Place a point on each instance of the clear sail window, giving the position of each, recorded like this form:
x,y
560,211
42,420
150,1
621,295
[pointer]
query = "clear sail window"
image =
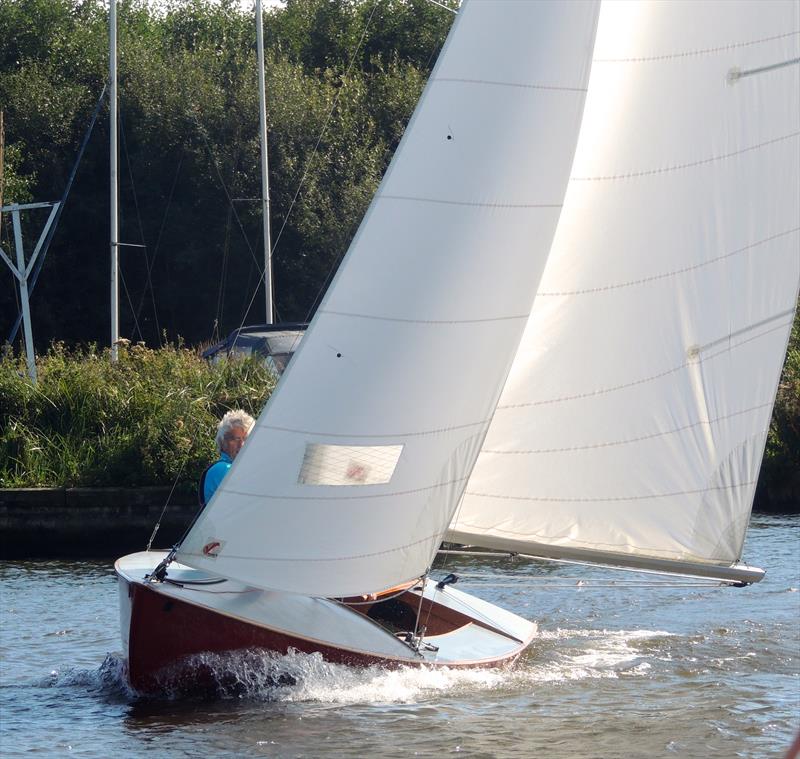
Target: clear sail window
x,y
348,464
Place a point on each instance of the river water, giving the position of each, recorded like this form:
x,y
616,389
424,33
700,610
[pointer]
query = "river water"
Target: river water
x,y
617,670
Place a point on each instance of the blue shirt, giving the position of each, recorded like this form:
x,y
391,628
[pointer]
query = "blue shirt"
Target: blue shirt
x,y
215,475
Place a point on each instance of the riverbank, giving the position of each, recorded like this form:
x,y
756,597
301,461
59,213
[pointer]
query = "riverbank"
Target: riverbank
x,y
80,522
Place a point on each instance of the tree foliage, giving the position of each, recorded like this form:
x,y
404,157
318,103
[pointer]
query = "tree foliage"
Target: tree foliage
x,y
147,419
342,79
779,483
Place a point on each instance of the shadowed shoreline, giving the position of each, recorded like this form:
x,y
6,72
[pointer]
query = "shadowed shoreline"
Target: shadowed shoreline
x,y
84,522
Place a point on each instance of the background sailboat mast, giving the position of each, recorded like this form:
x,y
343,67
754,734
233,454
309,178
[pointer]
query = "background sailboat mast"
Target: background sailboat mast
x,y
262,100
114,178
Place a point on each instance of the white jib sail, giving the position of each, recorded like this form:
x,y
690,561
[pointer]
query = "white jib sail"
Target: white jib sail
x,y
358,462
633,423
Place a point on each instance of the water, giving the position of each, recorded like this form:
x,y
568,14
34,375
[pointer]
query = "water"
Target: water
x,y
623,671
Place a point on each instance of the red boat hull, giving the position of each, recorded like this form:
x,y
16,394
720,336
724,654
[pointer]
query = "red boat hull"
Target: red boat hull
x,y
165,632
195,631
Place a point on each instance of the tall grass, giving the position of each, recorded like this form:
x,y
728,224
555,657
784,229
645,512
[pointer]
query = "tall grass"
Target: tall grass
x,y
147,419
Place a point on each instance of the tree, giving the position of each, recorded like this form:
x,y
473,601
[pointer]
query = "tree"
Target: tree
x,y
343,77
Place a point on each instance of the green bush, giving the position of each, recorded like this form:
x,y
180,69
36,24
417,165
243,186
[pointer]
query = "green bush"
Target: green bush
x,y
148,419
781,465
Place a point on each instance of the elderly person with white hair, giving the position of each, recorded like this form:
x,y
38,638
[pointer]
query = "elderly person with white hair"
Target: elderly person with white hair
x,y
232,431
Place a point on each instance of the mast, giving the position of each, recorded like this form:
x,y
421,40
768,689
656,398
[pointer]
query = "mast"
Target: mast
x,y
262,100
114,179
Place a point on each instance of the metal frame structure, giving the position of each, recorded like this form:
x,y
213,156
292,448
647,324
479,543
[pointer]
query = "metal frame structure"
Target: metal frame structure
x,y
23,272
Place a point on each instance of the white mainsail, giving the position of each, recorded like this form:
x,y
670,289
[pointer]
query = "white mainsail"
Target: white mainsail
x,y
358,462
632,425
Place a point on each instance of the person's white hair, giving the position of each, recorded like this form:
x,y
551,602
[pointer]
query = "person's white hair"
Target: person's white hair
x,y
235,418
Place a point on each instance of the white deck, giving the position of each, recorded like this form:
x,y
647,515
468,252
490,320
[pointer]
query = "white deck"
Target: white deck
x,y
330,623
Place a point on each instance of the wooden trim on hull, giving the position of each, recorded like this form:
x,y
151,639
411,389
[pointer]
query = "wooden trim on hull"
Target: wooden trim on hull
x,y
165,631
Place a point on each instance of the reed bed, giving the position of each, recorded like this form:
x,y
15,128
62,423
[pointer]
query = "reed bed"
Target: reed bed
x,y
148,419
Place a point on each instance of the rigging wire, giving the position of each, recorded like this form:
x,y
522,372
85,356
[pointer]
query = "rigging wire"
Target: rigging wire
x,y
223,277
454,11
157,247
416,634
137,327
222,182
149,282
164,510
309,161
306,170
130,304
45,246
232,210
335,264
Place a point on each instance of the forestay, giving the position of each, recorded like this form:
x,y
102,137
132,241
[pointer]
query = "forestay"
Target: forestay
x,y
356,466
632,426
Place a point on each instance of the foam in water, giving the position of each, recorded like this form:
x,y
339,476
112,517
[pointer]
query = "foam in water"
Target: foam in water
x,y
108,680
555,656
561,655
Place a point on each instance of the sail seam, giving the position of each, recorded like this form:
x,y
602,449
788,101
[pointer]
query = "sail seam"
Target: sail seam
x,y
702,51
520,85
641,381
512,317
612,443
313,559
681,166
348,497
391,435
613,499
667,275
465,203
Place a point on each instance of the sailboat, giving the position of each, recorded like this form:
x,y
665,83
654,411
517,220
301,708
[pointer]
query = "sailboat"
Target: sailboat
x,y
558,332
